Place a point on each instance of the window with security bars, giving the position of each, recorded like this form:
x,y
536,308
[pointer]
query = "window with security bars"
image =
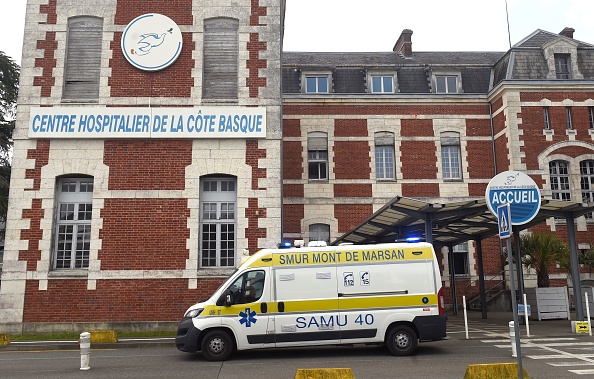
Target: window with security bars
x,y
218,220
587,184
74,212
460,254
559,175
450,156
319,232
317,156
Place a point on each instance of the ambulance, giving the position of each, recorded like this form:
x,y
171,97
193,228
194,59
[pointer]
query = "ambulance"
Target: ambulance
x,y
385,294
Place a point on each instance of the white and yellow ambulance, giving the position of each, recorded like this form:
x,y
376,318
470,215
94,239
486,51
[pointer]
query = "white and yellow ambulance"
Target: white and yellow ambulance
x,y
386,294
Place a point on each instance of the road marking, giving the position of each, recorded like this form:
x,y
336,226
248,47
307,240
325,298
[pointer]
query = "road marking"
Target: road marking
x,y
567,364
582,372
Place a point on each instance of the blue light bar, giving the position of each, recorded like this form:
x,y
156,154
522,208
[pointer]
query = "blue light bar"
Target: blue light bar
x,y
413,239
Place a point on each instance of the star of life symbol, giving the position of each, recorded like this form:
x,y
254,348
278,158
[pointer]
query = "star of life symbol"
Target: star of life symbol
x,y
247,317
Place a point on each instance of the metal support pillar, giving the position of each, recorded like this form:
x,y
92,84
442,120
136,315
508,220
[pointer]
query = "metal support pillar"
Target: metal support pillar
x,y
479,255
575,267
452,278
519,265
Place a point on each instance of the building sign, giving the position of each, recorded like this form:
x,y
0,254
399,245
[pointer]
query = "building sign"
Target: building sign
x,y
151,42
101,122
517,189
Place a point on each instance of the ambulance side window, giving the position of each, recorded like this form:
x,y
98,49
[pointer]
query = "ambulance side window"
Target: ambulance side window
x,y
248,287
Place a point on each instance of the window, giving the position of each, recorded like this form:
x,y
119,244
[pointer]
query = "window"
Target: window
x,y
218,215
74,211
384,156
317,156
547,122
248,287
319,232
562,66
450,156
568,117
221,51
316,84
460,254
591,117
82,68
446,84
382,84
559,173
587,183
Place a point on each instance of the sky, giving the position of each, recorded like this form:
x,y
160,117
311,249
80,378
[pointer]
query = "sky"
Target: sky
x,y
375,25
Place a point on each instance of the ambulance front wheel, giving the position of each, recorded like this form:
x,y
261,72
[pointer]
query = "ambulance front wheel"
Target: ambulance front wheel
x,y
402,340
217,345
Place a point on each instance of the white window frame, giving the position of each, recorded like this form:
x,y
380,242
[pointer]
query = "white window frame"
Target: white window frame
x,y
218,217
72,219
591,117
547,118
317,75
587,184
560,180
451,151
457,87
318,158
461,252
391,77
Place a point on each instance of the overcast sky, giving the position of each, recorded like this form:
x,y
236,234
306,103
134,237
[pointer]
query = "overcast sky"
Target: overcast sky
x,y
375,25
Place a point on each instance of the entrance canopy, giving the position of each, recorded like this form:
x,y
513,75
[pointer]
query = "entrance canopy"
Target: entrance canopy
x,y
445,223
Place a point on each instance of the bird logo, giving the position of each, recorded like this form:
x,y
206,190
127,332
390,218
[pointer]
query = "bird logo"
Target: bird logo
x,y
148,41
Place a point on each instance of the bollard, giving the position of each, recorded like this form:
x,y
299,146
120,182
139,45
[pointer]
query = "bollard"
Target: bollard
x,y
512,336
85,350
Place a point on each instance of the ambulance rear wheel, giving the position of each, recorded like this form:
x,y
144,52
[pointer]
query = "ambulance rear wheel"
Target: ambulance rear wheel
x,y
402,340
217,345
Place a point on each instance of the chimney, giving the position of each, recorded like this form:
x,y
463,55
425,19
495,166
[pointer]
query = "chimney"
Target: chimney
x,y
404,44
567,32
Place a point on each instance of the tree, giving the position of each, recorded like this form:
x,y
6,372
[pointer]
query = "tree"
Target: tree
x,y
540,251
9,87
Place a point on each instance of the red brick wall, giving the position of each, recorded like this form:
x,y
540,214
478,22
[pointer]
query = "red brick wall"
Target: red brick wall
x,y
351,160
418,160
113,300
41,156
291,128
420,190
480,159
292,216
179,11
34,234
253,231
293,190
147,164
478,128
477,189
49,46
353,190
351,215
292,160
350,128
555,96
252,159
414,128
144,234
363,110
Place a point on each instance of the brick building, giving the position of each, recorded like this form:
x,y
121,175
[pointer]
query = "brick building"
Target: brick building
x,y
140,178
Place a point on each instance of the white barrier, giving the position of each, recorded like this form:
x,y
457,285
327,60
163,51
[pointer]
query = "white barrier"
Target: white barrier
x,y
85,350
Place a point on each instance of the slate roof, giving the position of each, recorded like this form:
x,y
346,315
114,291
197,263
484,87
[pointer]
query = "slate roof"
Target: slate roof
x,y
539,38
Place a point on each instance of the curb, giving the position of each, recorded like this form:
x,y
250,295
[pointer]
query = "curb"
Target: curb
x,y
74,345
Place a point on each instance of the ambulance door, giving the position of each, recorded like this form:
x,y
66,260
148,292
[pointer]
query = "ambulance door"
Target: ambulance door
x,y
307,306
245,309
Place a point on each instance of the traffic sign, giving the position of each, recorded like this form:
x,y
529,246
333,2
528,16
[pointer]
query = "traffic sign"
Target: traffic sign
x,y
504,220
517,189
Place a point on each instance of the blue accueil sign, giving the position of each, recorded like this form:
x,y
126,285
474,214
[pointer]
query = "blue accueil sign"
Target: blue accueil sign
x,y
517,189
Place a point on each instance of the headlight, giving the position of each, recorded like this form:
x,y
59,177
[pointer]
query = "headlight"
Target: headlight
x,y
193,313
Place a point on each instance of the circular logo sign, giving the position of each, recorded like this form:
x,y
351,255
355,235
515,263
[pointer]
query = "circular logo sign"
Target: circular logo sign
x,y
517,189
151,42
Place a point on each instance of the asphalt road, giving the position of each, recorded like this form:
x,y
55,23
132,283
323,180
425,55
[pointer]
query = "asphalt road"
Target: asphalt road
x,y
443,359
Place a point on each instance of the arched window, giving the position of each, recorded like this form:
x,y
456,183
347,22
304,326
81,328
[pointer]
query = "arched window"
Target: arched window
x,y
319,232
74,211
559,173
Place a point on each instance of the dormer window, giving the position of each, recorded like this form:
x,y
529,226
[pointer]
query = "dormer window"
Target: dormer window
x,y
382,84
446,83
562,66
316,82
